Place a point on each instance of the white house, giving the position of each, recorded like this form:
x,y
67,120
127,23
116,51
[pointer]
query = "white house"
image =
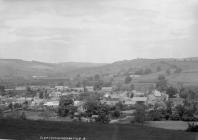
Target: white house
x,y
52,104
107,89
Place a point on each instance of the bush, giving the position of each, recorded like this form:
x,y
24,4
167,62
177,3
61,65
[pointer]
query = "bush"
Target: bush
x,y
175,117
154,115
192,127
116,114
188,118
23,116
140,113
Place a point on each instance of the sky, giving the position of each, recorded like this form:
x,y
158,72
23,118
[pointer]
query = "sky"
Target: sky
x,y
98,30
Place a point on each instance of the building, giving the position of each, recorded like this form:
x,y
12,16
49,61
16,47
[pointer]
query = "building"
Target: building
x,y
138,94
157,97
90,88
78,89
21,88
52,104
107,89
137,100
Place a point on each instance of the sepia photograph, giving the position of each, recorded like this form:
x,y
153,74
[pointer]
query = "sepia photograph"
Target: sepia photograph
x,y
98,69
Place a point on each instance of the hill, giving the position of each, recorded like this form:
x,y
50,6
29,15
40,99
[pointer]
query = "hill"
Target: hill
x,y
177,71
15,68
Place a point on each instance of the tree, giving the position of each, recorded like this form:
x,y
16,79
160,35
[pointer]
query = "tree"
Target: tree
x,y
180,110
128,79
116,113
139,72
10,106
132,87
159,69
97,77
96,108
161,84
147,71
168,109
98,85
2,90
178,70
140,113
41,95
1,114
168,72
66,107
183,93
171,91
23,116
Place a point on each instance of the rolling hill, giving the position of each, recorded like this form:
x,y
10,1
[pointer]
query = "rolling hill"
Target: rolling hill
x,y
188,70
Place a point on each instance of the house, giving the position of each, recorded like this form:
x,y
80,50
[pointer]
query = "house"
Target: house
x,y
55,94
36,101
107,89
52,104
157,97
80,106
128,112
78,89
139,100
21,88
90,88
110,102
135,76
138,94
61,88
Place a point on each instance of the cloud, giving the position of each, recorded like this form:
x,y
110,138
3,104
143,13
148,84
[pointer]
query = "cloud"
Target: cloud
x,y
97,31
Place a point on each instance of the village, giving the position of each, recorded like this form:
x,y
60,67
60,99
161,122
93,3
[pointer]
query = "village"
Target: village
x,y
44,103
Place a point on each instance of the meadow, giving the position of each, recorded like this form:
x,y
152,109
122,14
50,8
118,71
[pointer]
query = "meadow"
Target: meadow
x,y
33,130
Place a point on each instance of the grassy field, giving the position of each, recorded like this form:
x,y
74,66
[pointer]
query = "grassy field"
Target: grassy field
x,y
172,125
32,130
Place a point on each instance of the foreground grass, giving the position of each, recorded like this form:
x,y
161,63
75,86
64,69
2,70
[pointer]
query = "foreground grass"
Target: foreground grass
x,y
32,130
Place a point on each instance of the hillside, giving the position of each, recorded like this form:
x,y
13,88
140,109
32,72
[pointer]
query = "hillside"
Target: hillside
x,y
183,71
12,68
177,71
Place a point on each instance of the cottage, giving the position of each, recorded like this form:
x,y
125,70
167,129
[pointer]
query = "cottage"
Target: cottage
x,y
90,88
21,88
78,89
107,89
52,104
157,97
139,100
138,94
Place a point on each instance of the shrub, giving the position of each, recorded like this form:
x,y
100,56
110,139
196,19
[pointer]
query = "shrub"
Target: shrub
x,y
140,113
23,116
154,115
192,127
116,114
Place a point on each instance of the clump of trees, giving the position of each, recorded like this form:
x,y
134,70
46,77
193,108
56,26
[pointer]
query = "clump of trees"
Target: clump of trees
x,y
192,127
128,79
66,107
161,84
140,113
102,111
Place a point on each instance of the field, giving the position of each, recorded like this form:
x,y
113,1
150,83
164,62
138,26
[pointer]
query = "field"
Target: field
x,y
172,125
33,130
